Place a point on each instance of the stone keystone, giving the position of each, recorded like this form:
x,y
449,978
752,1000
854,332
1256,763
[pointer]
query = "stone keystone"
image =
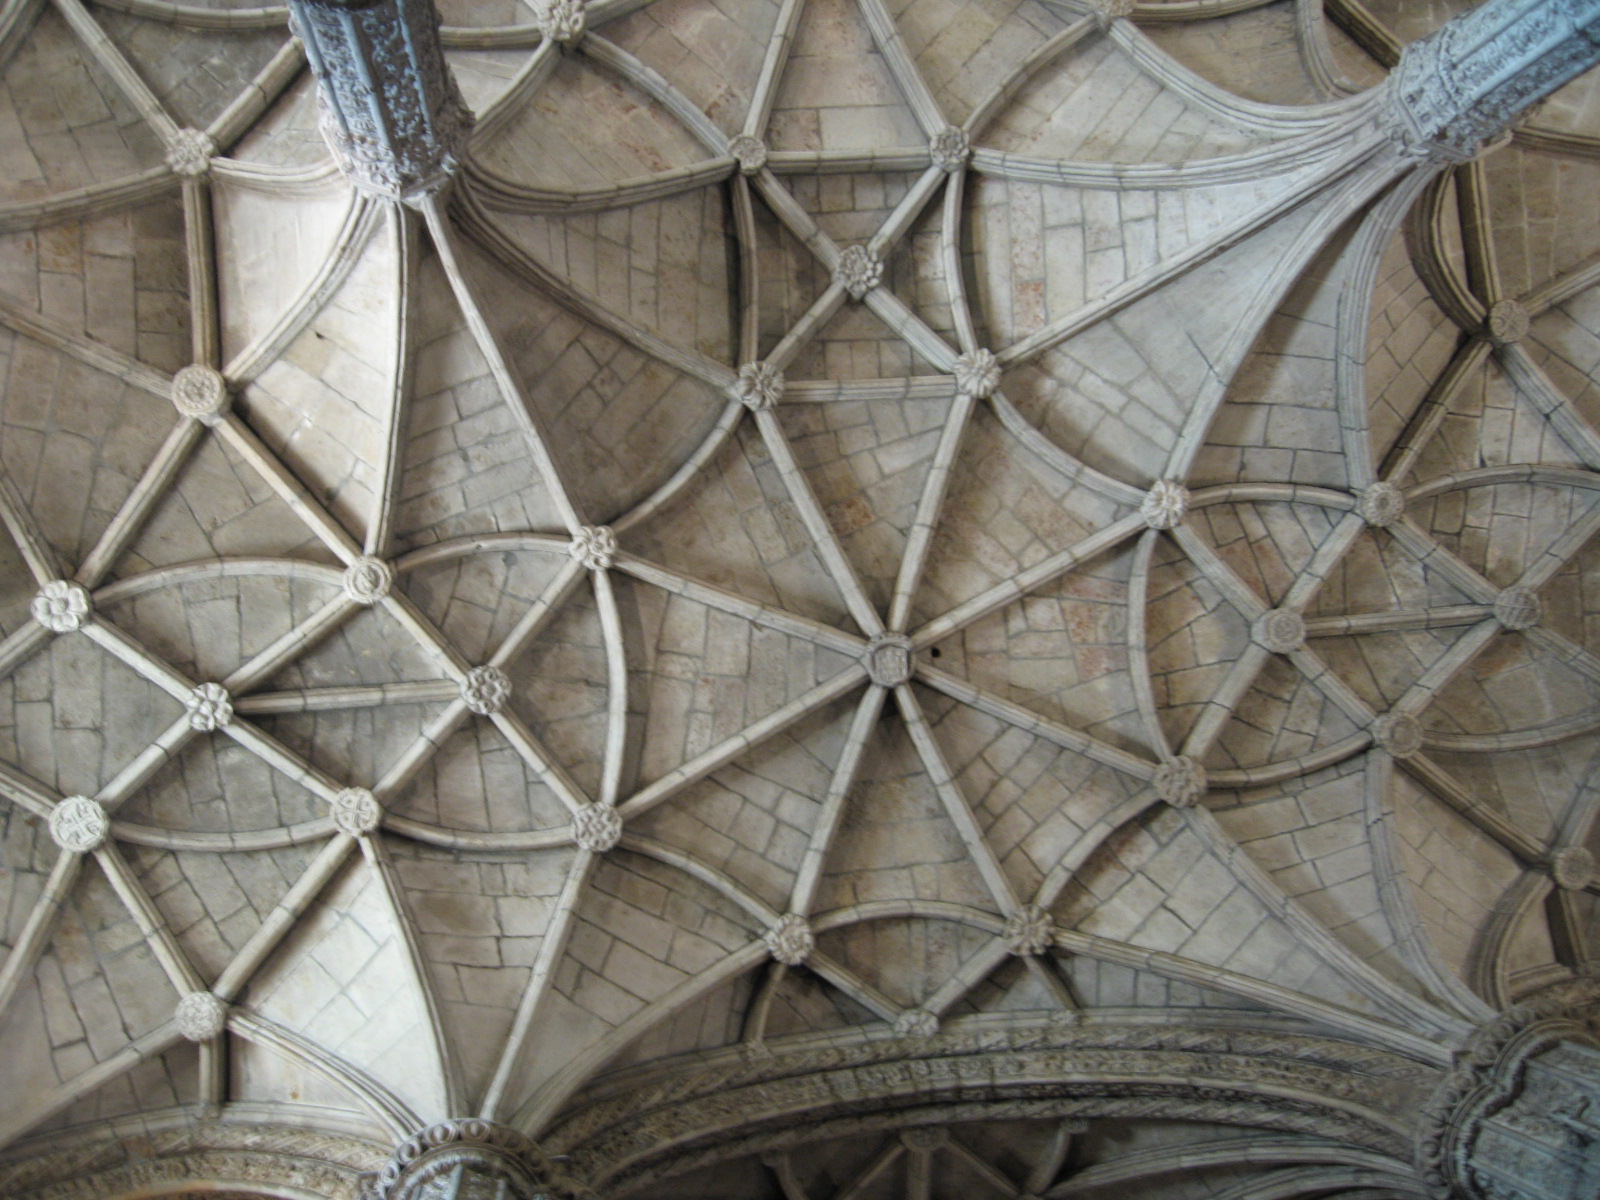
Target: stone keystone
x,y
925,1138
750,153
62,606
191,152
859,271
595,546
486,690
356,811
759,386
889,659
210,707
368,579
201,1016
200,392
1381,505
79,824
791,940
1281,630
1518,608
1165,504
1572,868
950,149
1180,781
977,374
1030,930
916,1023
1508,322
560,20
597,827
1398,733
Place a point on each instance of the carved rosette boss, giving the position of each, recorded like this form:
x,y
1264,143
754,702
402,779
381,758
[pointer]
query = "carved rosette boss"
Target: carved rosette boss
x,y
391,111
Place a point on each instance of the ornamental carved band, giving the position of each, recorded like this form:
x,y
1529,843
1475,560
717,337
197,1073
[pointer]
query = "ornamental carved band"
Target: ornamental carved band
x,y
1469,79
391,111
470,1160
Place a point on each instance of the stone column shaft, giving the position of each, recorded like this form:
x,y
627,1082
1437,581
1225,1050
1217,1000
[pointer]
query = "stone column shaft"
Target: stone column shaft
x,y
1469,79
391,111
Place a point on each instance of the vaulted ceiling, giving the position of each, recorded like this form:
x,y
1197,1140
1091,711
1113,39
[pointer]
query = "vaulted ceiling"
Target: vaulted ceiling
x,y
1166,597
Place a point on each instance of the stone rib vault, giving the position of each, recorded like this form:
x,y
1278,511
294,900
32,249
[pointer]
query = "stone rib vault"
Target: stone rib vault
x,y
822,600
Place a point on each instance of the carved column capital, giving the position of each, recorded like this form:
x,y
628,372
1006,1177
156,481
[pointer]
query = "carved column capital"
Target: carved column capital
x,y
1519,1117
391,111
470,1159
1469,79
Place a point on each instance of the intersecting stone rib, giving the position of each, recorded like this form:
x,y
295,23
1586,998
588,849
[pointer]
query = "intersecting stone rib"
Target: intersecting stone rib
x,y
151,489
809,877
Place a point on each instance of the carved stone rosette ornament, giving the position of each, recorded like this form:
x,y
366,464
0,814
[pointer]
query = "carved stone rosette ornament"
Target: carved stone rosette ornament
x,y
1519,1117
1381,505
977,374
391,111
1469,79
889,659
1165,504
859,271
62,606
1280,630
471,1159
759,386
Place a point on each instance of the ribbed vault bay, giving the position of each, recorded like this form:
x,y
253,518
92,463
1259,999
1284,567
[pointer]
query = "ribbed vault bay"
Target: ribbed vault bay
x,y
857,534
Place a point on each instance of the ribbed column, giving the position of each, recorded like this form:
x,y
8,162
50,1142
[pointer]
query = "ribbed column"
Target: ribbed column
x,y
1519,1118
470,1160
391,111
1470,78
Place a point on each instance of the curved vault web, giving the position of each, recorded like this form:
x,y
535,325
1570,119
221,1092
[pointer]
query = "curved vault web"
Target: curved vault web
x,y
832,524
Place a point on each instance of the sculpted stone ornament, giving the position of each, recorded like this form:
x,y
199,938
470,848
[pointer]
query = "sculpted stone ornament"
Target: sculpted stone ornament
x,y
791,940
1280,630
597,828
1519,1116
486,690
560,20
356,811
79,824
759,386
1508,322
950,149
469,1159
1107,11
368,579
190,152
595,546
925,1138
1572,868
1381,505
977,374
1518,608
750,153
200,392
916,1023
210,707
201,1016
62,606
1165,504
859,271
1180,781
889,660
1468,80
1030,930
1400,734
391,112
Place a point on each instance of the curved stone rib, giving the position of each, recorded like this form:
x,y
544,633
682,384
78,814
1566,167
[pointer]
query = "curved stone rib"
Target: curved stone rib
x,y
730,748
930,506
995,101
852,985
1261,1151
658,88
92,200
902,67
44,1105
1353,319
149,491
977,967
1417,950
1464,365
137,834
1560,288
403,227
616,689
101,357
111,61
355,231
272,470
193,16
497,192
34,935
234,121
765,91
391,1112
1429,227
1488,966
808,878
533,73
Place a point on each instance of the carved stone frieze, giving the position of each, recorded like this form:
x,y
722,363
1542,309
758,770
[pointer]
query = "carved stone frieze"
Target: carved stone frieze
x,y
391,111
469,1159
